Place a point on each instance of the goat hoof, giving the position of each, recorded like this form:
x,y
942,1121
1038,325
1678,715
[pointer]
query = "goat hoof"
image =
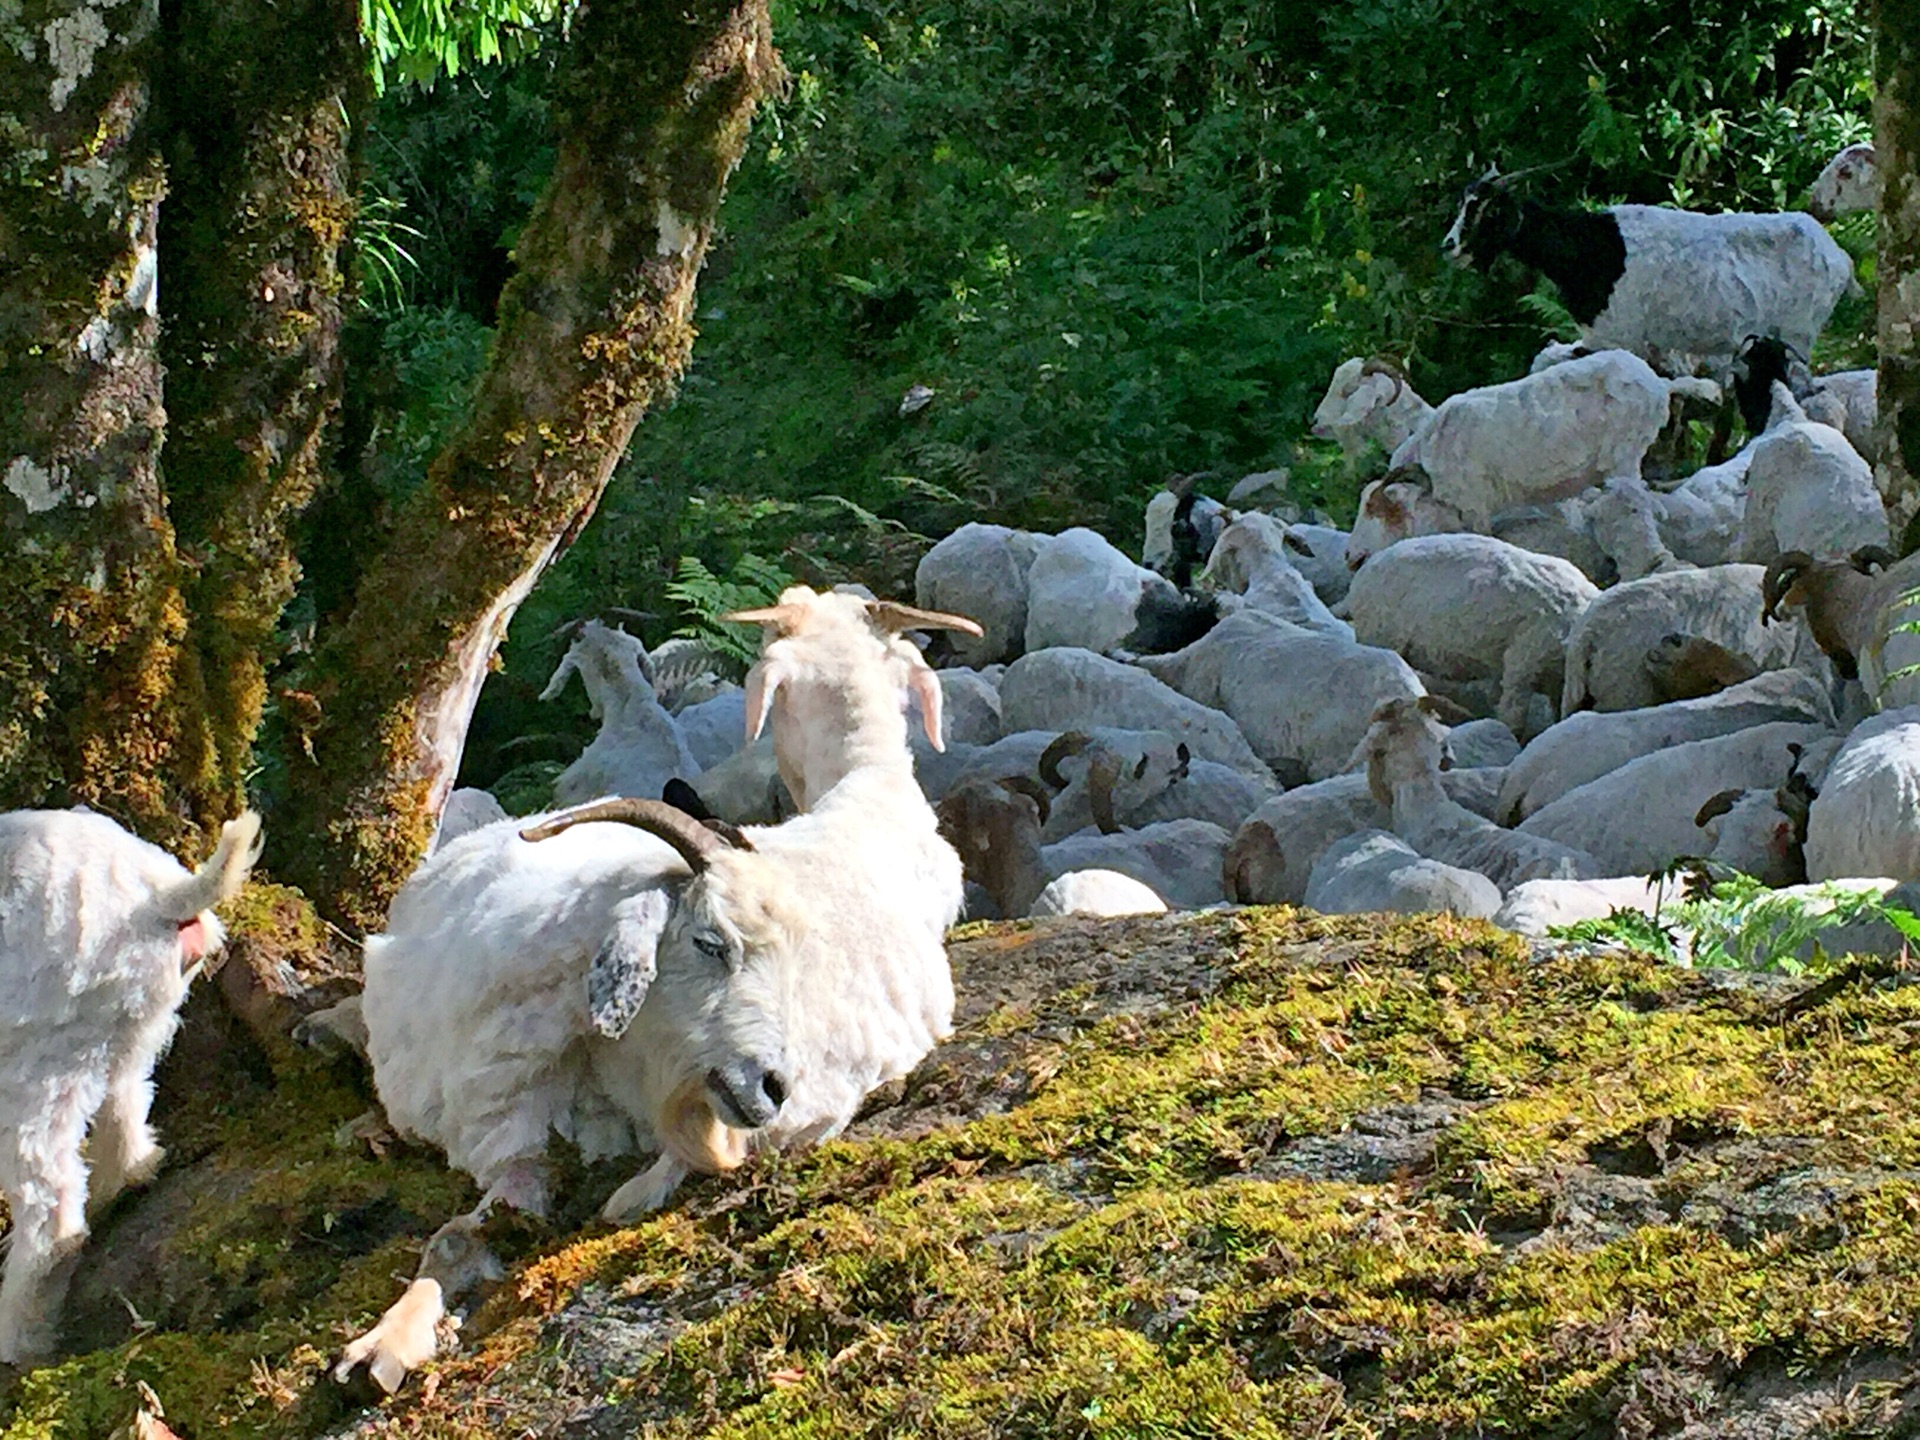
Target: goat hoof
x,y
645,1193
145,1166
405,1338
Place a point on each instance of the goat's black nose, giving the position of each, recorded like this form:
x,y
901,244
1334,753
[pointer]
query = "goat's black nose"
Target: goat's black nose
x,y
773,1085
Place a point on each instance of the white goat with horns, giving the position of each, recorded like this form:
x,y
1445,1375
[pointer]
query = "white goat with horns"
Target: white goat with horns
x,y
663,985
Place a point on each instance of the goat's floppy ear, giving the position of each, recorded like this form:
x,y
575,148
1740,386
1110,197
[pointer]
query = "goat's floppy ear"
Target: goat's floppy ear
x,y
763,683
624,966
925,686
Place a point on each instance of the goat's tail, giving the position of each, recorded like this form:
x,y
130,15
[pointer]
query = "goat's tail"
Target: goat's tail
x,y
223,874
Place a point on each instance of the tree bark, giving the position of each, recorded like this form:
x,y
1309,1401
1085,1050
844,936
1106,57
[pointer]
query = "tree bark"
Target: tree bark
x,y
653,112
1896,143
255,99
89,582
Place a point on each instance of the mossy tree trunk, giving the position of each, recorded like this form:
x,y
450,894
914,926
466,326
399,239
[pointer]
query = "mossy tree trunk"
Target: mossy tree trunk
x,y
255,99
653,111
89,581
1896,143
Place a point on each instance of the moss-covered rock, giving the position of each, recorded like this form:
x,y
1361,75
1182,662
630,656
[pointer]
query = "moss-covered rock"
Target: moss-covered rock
x,y
1254,1175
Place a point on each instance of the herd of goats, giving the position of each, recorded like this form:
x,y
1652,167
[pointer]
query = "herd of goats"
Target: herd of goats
x,y
1538,669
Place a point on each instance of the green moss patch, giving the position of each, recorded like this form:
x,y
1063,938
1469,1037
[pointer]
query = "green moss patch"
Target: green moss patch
x,y
1262,1175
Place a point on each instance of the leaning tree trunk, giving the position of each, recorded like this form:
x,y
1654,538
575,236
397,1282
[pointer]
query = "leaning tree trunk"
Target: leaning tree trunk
x,y
1896,144
89,583
254,97
653,110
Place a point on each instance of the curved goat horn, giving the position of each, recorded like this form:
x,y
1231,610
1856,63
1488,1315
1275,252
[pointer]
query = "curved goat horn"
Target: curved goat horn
x,y
892,615
1868,556
1103,773
1717,806
1444,710
694,842
1782,571
1388,368
1024,785
1073,742
1413,474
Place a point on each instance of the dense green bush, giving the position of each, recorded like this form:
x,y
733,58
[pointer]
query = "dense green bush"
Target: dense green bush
x,y
1117,238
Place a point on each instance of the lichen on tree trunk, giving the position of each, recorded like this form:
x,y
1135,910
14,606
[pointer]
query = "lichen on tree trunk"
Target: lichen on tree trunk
x,y
653,110
89,581
255,99
1896,139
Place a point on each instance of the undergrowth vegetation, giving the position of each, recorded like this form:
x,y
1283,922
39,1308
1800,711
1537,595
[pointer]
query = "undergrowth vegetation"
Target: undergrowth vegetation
x,y
1117,239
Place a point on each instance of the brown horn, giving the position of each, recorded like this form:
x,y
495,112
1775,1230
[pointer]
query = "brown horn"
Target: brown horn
x,y
784,618
1867,556
692,840
1023,785
1073,742
1717,806
1782,571
1444,710
1103,772
1180,486
1387,368
892,615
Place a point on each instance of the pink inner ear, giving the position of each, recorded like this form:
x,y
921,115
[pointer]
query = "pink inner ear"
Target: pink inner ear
x,y
926,689
193,938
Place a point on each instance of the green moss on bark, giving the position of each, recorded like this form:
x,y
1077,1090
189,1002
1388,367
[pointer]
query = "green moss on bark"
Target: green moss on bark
x,y
90,708
254,102
653,112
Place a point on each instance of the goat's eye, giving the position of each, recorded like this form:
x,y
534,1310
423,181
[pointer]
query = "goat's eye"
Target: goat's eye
x,y
711,943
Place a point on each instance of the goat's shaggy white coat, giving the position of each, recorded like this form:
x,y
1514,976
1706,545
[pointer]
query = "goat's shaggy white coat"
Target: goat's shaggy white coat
x,y
639,747
1082,591
100,935
980,571
1807,489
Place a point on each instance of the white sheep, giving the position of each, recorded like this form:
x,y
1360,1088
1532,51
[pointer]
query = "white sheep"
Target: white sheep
x,y
1807,490
1272,854
980,571
100,935
673,987
1642,817
713,727
1592,743
1254,558
1097,892
1082,592
1697,523
1067,689
639,747
1466,607
1181,528
1368,403
1404,752
1301,698
1849,183
1378,871
1607,647
1319,552
1866,819
1534,907
996,829
1676,287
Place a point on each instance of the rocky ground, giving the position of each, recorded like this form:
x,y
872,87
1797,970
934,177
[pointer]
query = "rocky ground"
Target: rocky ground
x,y
1263,1175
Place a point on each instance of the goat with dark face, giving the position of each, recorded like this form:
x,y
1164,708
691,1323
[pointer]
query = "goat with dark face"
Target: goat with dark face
x,y
1677,287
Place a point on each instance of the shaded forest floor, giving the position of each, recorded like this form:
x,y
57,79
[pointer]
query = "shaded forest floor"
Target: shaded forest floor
x,y
1264,1174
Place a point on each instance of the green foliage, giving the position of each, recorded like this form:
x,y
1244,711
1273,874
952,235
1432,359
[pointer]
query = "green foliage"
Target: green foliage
x,y
704,596
416,41
1736,922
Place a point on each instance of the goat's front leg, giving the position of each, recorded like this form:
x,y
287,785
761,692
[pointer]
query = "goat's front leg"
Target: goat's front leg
x,y
121,1151
457,1262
